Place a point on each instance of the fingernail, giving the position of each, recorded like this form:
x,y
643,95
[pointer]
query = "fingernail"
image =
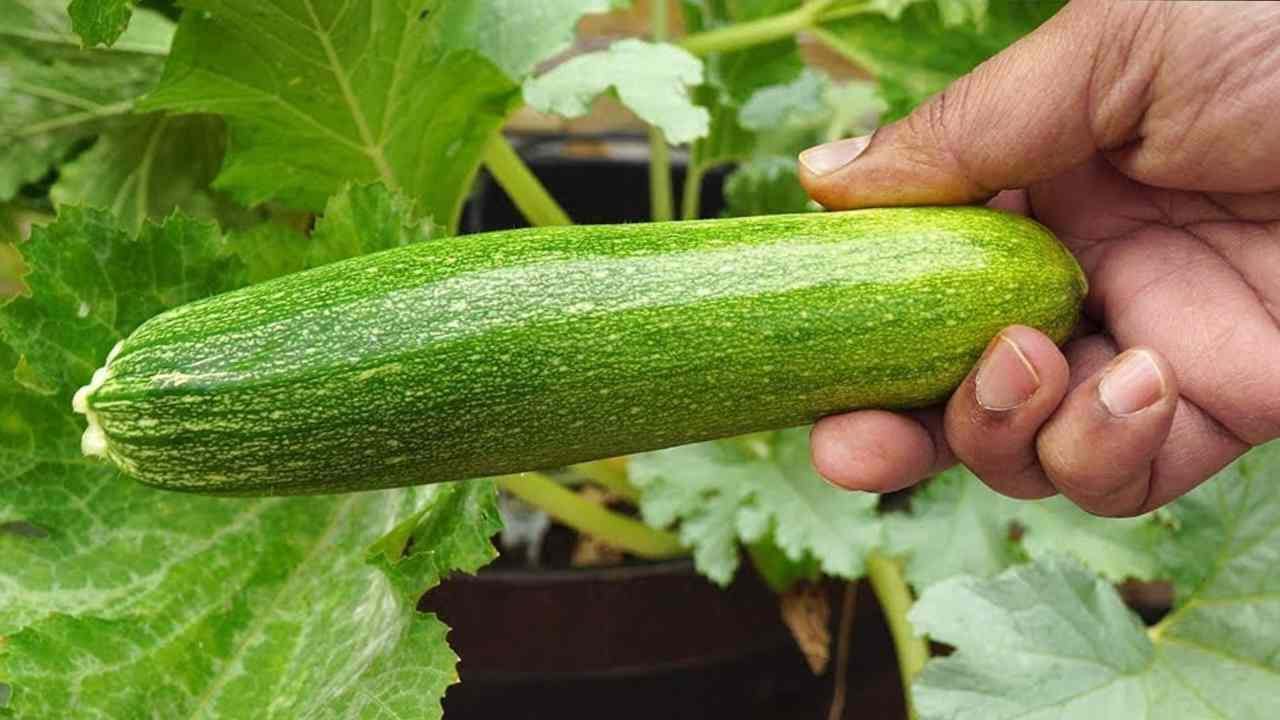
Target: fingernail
x,y
1133,383
1005,377
825,159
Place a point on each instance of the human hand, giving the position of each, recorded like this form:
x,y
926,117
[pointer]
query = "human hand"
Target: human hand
x,y
1147,136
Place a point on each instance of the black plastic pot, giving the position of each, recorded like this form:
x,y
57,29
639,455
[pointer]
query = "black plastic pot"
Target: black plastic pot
x,y
639,640
644,641
597,180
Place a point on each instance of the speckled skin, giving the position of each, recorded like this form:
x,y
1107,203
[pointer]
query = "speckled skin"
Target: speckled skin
x,y
523,349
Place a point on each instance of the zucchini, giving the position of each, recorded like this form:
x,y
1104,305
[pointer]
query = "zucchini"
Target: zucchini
x,y
542,347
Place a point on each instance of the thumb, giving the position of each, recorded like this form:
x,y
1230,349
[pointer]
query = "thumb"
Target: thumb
x,y
1045,104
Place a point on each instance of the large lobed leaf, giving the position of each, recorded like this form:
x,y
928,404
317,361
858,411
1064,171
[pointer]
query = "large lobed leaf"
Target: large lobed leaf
x,y
54,95
1052,640
321,92
959,526
753,488
122,601
146,167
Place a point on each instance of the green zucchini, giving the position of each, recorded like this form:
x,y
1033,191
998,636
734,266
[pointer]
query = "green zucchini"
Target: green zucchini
x,y
541,347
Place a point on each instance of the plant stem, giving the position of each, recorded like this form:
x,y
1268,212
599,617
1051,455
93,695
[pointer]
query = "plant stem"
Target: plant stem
x,y
521,185
660,203
849,596
885,576
610,474
690,204
768,29
587,517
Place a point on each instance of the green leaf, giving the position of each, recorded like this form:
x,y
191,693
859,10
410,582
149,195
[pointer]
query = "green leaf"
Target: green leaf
x,y
775,105
1116,548
54,95
1043,640
361,219
812,109
91,282
123,601
733,77
765,186
515,35
780,572
147,168
100,22
959,526
749,488
1079,653
652,79
930,44
1223,560
364,219
956,526
319,94
449,531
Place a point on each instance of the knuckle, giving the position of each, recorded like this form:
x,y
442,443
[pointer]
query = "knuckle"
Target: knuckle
x,y
1106,493
937,128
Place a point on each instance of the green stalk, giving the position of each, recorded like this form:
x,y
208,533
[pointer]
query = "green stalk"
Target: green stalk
x,y
610,474
521,185
885,576
660,203
590,518
768,29
690,203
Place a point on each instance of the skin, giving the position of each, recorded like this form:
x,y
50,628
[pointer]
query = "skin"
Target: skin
x,y
1147,136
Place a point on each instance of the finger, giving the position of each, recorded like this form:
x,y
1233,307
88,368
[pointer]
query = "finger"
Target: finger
x,y
1011,201
993,418
1197,446
1099,446
1043,105
876,450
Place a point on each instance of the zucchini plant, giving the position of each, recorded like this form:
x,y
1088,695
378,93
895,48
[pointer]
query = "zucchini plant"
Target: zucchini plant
x,y
258,204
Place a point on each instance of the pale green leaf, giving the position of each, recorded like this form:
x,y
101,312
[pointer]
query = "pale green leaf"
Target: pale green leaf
x,y
652,79
54,95
1223,560
750,488
956,526
147,168
1116,548
809,110
1045,640
959,526
318,94
799,101
1051,640
515,35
